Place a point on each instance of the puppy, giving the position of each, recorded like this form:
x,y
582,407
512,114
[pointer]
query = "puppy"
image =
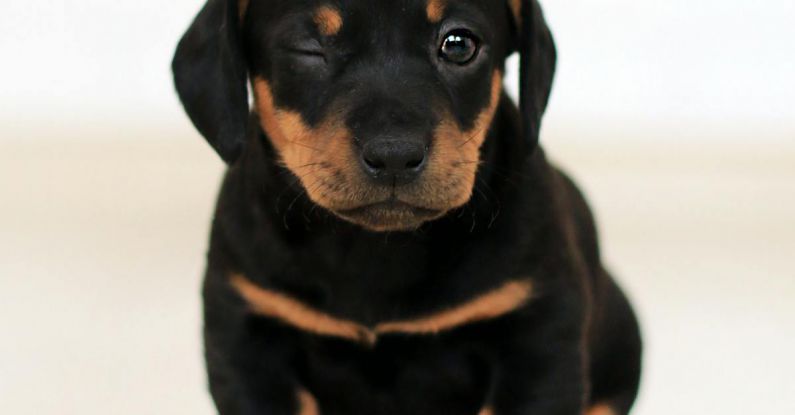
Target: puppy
x,y
389,240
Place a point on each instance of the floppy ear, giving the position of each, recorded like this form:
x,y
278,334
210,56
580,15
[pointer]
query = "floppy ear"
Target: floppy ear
x,y
210,77
537,65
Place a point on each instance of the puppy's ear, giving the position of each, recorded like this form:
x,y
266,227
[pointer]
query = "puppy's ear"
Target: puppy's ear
x,y
537,65
210,77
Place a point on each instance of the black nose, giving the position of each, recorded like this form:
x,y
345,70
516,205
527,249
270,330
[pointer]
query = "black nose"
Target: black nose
x,y
395,161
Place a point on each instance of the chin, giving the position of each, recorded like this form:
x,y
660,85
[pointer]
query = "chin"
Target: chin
x,y
390,216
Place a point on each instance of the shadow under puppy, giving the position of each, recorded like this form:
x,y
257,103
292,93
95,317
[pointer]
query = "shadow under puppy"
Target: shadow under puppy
x,y
388,239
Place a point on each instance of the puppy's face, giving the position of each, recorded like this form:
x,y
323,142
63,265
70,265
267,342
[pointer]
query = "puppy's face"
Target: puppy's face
x,y
380,108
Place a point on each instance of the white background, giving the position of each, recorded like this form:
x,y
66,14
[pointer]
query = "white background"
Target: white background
x,y
722,62
676,117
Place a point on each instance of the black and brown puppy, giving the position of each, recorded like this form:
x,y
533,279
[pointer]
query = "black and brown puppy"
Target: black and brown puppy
x,y
388,240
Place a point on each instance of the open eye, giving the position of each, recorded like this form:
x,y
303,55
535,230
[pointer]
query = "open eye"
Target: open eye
x,y
459,46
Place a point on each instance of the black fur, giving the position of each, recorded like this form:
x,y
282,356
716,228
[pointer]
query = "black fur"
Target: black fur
x,y
210,76
574,345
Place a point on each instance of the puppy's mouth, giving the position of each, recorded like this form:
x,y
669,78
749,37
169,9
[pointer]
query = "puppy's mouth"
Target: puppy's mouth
x,y
390,215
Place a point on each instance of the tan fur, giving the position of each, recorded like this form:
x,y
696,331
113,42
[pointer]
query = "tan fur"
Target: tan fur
x,y
242,8
328,20
491,305
288,310
307,404
487,307
319,157
516,9
435,10
600,410
457,153
324,160
596,410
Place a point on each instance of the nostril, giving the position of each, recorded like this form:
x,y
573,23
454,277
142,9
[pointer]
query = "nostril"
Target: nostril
x,y
415,163
374,163
393,159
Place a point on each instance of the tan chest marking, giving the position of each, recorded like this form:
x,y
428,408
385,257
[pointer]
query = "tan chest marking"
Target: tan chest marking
x,y
595,410
600,410
267,303
293,312
494,304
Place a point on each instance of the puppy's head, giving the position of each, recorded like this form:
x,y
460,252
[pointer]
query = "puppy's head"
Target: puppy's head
x,y
380,108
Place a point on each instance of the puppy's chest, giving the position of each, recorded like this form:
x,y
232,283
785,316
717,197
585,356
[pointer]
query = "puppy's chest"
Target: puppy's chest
x,y
363,290
398,376
356,286
364,312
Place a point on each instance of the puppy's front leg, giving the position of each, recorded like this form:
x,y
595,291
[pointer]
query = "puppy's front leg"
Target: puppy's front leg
x,y
540,372
252,377
249,359
556,388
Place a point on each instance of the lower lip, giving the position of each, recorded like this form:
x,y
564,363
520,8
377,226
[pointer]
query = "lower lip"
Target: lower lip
x,y
391,206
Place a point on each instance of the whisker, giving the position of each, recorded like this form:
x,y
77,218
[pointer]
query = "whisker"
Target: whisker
x,y
304,191
464,163
475,134
481,193
310,165
496,202
305,145
281,195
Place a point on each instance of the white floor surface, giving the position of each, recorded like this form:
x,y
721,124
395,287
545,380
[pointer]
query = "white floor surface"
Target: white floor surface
x,y
102,244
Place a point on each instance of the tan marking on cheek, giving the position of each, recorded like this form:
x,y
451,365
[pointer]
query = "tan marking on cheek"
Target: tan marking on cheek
x,y
278,306
492,305
483,122
268,114
600,410
285,129
487,411
328,20
319,157
307,404
456,155
435,10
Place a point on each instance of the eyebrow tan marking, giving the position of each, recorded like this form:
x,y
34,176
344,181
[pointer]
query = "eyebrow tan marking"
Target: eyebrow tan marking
x,y
516,9
435,10
307,403
501,301
328,20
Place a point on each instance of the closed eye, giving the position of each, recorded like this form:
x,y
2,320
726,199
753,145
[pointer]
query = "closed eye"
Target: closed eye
x,y
309,49
308,52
